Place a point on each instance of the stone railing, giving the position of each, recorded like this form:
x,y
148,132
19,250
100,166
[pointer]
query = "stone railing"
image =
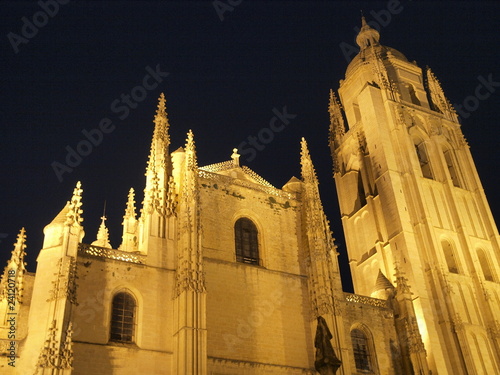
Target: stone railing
x,y
365,300
104,252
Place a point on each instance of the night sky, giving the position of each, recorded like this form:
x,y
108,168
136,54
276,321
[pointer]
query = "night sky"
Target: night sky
x,y
229,72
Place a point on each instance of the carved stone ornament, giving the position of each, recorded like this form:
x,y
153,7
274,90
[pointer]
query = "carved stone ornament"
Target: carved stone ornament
x,y
49,355
337,124
56,355
74,215
458,324
494,330
64,284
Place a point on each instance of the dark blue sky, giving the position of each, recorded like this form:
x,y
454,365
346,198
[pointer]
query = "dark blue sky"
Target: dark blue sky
x,y
226,79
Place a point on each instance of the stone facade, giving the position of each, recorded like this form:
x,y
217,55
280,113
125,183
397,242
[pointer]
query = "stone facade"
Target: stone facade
x,y
222,273
411,199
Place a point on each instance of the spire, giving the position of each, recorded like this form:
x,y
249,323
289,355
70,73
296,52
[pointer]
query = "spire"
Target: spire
x,y
129,237
382,282
438,101
190,289
190,274
367,36
323,267
161,139
15,270
102,235
407,326
337,126
308,172
73,216
159,167
66,223
17,259
383,287
130,209
161,121
190,149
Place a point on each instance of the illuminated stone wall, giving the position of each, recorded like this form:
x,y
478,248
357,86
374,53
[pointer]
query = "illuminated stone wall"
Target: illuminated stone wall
x,y
410,198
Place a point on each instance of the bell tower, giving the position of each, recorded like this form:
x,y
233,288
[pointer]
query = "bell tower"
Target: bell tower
x,y
410,196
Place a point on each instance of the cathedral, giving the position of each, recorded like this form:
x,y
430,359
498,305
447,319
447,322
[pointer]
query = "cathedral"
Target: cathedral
x,y
221,273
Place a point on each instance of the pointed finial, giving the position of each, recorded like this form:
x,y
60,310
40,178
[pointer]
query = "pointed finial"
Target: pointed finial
x,y
74,213
337,124
331,102
308,172
102,235
159,161
161,120
189,141
438,101
190,150
333,105
190,137
18,253
367,36
16,265
236,157
21,237
304,151
130,209
161,105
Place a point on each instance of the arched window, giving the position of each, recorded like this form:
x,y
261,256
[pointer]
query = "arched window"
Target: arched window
x,y
451,167
247,242
423,158
123,318
485,266
361,350
451,262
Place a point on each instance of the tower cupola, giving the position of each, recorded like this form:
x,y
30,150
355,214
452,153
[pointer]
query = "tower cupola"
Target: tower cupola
x,y
367,35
